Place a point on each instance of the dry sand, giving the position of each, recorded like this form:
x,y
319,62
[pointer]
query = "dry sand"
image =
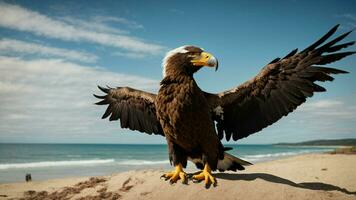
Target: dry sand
x,y
313,176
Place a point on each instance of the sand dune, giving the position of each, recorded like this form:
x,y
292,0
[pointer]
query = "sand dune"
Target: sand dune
x,y
313,176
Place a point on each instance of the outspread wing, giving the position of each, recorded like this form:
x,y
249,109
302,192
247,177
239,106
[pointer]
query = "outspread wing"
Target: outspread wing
x,y
277,90
135,109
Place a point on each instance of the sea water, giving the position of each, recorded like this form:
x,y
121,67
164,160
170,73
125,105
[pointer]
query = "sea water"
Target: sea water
x,y
47,161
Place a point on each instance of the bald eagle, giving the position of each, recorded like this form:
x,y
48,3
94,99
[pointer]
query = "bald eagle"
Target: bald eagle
x,y
194,122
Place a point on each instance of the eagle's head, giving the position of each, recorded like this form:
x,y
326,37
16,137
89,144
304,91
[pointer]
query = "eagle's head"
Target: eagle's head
x,y
187,59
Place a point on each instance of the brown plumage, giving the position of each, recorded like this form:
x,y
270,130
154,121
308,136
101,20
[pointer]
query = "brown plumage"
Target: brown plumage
x,y
185,114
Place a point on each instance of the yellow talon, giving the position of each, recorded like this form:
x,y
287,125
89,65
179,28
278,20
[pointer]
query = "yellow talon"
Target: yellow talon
x,y
175,175
206,176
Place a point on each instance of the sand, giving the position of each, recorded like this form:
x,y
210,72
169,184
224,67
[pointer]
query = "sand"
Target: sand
x,y
312,176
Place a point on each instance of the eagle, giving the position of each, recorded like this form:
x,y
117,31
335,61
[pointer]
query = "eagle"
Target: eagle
x,y
194,121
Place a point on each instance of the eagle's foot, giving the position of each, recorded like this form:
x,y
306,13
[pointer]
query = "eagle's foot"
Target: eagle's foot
x,y
206,176
175,175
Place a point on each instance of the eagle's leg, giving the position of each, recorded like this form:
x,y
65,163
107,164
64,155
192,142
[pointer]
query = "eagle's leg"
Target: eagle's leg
x,y
176,174
206,176
178,158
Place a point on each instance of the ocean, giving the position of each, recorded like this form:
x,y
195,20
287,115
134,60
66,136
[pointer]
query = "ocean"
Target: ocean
x,y
48,161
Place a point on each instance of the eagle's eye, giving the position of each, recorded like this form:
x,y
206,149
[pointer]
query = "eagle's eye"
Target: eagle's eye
x,y
190,55
193,54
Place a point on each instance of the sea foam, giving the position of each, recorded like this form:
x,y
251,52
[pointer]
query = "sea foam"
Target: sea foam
x,y
54,163
261,157
142,162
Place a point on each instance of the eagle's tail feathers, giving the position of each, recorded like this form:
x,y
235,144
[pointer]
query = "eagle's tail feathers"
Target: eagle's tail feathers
x,y
232,163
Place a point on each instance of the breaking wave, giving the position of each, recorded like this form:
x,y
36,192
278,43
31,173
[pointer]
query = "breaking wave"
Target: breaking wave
x,y
142,162
269,155
54,163
272,156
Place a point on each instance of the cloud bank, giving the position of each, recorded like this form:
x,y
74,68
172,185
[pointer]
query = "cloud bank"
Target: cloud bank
x,y
22,19
53,98
17,46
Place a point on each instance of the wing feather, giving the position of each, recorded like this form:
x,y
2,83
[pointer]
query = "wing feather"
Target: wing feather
x,y
279,88
134,108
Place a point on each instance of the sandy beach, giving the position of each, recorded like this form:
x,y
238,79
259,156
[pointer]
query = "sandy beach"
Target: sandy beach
x,y
312,176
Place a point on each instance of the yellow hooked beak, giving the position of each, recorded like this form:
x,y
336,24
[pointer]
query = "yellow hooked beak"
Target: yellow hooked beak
x,y
206,59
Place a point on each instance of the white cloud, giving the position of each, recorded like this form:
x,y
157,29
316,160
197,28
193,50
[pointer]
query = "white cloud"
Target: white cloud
x,y
93,25
22,19
328,117
177,11
350,21
124,21
333,109
53,98
348,16
327,103
128,54
17,46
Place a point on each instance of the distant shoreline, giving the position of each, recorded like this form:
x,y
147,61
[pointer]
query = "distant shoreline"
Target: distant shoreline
x,y
337,142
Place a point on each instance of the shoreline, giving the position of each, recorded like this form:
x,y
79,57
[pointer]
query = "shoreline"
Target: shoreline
x,y
115,159
307,176
190,168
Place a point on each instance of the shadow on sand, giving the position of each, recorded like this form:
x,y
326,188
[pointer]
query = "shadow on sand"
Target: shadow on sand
x,y
276,179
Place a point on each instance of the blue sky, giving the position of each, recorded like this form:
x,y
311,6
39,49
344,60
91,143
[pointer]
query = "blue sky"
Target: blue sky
x,y
54,53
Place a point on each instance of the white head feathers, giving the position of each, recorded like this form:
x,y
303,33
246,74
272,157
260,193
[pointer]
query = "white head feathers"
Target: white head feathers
x,y
172,53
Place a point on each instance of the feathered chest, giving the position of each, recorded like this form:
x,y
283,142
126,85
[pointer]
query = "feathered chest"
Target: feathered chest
x,y
178,100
